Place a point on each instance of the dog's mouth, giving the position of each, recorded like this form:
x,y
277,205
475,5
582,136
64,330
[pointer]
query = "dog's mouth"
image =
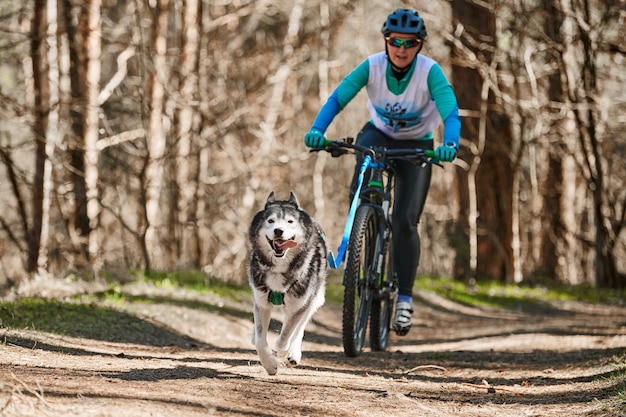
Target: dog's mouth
x,y
281,246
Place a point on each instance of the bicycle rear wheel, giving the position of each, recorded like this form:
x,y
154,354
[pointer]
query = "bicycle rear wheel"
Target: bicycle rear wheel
x,y
382,304
358,279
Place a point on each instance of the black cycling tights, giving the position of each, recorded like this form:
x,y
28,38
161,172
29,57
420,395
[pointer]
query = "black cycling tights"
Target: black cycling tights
x,y
411,188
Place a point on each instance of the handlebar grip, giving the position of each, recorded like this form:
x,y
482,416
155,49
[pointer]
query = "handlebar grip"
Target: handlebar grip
x,y
429,153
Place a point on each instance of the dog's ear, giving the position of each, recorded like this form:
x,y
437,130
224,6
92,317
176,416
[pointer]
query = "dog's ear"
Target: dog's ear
x,y
293,200
270,199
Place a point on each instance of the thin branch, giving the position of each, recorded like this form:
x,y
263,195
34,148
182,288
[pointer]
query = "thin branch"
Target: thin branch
x,y
118,77
417,368
127,136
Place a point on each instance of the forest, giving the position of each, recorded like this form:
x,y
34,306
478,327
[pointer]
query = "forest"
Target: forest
x,y
145,134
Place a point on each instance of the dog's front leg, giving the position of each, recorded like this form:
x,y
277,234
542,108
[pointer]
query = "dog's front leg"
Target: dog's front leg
x,y
294,356
262,317
289,343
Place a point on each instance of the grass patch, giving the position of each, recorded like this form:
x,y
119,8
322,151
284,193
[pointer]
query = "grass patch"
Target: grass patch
x,y
334,288
592,295
117,297
516,297
190,279
196,280
83,320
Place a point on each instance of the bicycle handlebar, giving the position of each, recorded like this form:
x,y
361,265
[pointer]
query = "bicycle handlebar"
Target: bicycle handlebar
x,y
338,148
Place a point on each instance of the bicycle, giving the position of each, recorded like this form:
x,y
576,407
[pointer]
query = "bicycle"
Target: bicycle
x,y
369,280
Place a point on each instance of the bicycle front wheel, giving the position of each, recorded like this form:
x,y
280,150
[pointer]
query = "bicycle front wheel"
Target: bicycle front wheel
x,y
383,302
359,276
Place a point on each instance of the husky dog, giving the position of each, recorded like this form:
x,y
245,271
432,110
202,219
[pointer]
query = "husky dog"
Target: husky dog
x,y
287,267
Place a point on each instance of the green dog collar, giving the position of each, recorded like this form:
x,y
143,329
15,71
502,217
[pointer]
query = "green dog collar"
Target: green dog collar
x,y
276,298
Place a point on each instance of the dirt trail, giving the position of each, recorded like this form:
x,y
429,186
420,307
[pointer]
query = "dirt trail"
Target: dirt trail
x,y
197,360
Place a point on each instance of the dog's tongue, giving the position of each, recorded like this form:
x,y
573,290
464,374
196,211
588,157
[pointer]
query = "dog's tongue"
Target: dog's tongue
x,y
287,244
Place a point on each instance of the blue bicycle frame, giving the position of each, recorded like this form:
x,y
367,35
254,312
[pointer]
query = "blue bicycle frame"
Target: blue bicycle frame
x,y
335,262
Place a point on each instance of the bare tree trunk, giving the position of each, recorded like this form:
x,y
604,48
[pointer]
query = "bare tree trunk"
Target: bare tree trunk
x,y
52,134
477,151
203,140
516,275
320,159
78,221
187,159
154,174
493,210
42,98
569,246
92,88
551,214
583,89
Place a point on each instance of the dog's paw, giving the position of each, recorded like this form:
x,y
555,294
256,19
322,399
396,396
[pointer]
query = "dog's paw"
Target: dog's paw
x,y
271,368
288,358
294,358
268,360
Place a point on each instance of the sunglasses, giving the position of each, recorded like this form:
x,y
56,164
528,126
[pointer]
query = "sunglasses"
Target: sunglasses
x,y
407,43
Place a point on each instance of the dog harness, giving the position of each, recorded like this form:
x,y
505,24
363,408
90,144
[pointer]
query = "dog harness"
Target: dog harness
x,y
278,298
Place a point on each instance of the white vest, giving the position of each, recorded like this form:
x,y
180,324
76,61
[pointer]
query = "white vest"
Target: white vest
x,y
410,115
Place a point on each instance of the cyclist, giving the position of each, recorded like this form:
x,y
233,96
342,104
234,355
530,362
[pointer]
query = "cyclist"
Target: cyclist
x,y
408,97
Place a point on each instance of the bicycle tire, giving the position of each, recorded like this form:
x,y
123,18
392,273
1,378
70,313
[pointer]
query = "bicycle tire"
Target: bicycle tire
x,y
358,294
382,304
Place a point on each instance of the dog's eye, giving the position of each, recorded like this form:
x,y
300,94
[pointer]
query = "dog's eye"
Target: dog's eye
x,y
270,221
289,221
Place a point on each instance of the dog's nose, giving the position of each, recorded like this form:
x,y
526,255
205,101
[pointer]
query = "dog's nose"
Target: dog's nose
x,y
278,232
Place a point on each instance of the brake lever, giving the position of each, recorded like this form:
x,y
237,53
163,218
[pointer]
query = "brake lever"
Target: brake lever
x,y
337,152
334,152
435,162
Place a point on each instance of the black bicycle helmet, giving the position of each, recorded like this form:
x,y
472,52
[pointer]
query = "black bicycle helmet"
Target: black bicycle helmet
x,y
404,21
